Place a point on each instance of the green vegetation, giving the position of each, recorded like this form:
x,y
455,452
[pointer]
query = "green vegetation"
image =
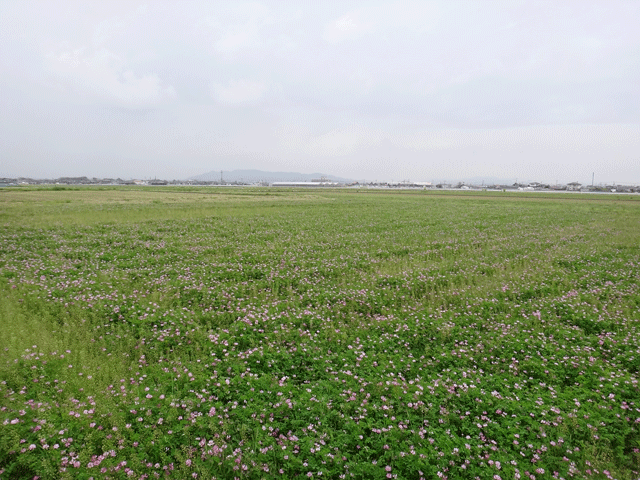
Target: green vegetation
x,y
263,333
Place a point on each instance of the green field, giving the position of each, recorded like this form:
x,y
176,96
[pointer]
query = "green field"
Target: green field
x,y
263,333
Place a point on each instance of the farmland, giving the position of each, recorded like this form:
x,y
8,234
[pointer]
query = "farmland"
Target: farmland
x,y
264,333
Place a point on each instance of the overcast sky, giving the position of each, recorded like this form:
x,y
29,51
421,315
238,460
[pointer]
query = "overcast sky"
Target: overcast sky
x,y
430,90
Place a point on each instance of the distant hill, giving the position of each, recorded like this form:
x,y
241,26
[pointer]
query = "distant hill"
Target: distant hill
x,y
253,176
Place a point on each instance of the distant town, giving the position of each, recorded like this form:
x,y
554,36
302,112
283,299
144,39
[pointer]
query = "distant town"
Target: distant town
x,y
325,182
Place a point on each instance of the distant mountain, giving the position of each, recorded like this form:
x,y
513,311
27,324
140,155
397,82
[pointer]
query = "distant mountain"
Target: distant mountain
x,y
253,176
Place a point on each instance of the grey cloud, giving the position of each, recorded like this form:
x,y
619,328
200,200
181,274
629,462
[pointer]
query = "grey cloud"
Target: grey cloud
x,y
197,86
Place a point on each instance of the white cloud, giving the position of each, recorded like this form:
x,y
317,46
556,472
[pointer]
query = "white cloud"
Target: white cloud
x,y
236,38
243,30
390,19
102,73
238,92
343,141
106,30
349,26
566,139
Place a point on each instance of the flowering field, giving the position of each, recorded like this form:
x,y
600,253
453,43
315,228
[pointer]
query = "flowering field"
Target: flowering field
x,y
248,333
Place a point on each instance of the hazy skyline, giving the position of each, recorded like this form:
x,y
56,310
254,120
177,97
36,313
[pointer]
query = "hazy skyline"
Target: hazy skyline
x,y
546,91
